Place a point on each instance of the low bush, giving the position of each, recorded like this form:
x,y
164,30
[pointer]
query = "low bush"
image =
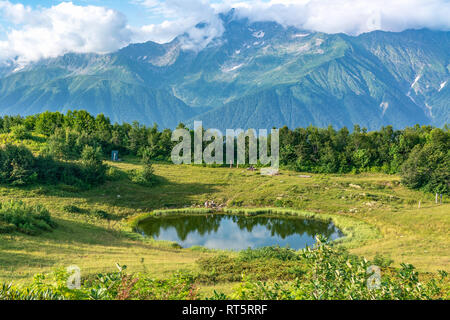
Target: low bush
x,y
323,273
114,174
283,254
102,214
144,177
96,213
335,275
74,209
105,286
94,172
6,227
19,167
20,132
223,268
31,220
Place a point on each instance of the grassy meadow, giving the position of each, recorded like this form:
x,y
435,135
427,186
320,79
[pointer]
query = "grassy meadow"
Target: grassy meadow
x,y
381,216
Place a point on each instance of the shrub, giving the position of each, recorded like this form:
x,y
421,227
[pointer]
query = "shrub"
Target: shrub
x,y
223,268
102,214
30,220
283,254
6,227
428,166
114,174
17,165
74,209
97,213
144,177
60,145
105,286
94,169
335,275
146,154
54,172
20,132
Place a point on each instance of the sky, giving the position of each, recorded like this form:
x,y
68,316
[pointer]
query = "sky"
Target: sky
x,y
31,30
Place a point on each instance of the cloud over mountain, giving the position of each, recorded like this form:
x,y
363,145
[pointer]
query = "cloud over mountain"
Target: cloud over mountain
x,y
330,16
36,33
349,16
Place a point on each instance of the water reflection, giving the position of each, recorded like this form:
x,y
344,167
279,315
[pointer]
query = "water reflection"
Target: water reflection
x,y
237,232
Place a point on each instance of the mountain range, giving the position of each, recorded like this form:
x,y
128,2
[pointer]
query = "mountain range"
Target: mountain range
x,y
255,75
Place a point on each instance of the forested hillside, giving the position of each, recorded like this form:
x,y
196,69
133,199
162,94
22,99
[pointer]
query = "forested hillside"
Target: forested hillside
x,y
420,154
256,74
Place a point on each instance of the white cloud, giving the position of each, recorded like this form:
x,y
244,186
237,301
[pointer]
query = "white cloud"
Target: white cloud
x,y
349,16
16,13
331,16
181,17
50,32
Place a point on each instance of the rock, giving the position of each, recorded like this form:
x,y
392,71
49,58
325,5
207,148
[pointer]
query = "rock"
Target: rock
x,y
355,186
371,204
269,172
210,204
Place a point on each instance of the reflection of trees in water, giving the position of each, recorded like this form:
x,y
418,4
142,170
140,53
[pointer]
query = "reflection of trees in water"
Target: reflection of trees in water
x,y
184,225
286,227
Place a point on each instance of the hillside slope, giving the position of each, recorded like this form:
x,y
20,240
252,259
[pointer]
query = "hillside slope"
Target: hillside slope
x,y
257,74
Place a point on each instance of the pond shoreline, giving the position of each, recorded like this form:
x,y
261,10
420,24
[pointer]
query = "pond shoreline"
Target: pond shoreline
x,y
355,231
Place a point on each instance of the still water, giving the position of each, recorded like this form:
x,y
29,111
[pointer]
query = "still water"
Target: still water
x,y
237,232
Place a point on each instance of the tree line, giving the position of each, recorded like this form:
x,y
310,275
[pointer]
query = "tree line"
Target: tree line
x,y
420,154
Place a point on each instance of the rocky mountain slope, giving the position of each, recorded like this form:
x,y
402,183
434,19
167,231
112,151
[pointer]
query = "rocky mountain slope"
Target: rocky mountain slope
x,y
257,74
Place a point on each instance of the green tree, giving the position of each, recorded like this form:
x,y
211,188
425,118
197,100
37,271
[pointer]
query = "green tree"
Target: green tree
x,y
47,122
94,168
16,165
20,132
428,166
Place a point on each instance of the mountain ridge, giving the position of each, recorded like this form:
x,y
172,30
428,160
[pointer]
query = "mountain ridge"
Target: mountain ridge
x,y
257,74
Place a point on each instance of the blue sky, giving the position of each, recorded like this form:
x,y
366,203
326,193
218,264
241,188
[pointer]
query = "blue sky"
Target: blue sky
x,y
132,9
31,30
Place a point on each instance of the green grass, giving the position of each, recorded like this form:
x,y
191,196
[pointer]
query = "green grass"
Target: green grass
x,y
378,215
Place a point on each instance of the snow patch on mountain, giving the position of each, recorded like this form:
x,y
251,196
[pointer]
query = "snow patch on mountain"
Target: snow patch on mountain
x,y
416,81
384,106
18,68
232,68
259,34
300,35
429,110
410,97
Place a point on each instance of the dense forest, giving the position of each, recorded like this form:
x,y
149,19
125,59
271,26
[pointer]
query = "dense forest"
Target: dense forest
x,y
420,154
